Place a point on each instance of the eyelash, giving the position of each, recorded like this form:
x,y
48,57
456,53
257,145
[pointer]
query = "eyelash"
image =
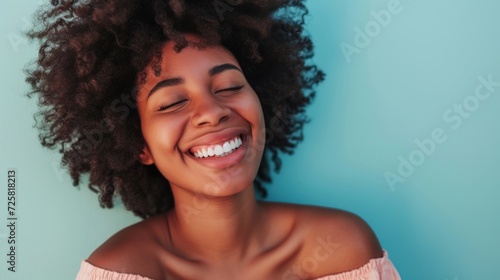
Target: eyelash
x,y
165,107
236,88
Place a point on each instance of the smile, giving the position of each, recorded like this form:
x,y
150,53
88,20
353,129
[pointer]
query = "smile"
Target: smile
x,y
218,150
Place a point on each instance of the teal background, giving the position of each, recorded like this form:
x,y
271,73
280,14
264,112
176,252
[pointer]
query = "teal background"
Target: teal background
x,y
440,223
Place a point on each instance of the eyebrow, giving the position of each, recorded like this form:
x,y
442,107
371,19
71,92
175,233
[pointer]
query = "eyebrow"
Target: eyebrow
x,y
221,68
177,80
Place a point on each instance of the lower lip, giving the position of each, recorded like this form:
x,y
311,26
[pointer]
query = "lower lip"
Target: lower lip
x,y
226,161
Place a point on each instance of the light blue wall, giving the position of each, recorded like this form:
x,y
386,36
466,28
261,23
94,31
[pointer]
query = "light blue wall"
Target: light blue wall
x,y
442,222
439,223
58,225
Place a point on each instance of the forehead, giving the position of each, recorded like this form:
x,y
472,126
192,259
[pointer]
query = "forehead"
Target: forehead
x,y
190,62
191,59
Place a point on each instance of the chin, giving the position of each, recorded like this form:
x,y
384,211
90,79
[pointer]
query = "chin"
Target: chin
x,y
229,182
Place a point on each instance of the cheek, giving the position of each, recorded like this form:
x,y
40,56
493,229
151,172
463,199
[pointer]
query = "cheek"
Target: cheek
x,y
162,135
258,115
254,114
253,109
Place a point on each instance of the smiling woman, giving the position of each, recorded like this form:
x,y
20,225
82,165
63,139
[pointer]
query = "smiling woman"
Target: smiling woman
x,y
204,89
193,115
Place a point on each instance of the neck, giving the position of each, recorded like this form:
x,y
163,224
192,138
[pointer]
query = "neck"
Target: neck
x,y
216,229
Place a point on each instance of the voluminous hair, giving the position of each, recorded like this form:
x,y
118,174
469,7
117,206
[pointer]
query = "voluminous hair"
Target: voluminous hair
x,y
93,54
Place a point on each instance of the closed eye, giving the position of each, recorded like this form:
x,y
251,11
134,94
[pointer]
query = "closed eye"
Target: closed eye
x,y
165,107
236,88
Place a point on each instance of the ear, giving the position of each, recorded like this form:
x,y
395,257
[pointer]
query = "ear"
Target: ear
x,y
145,156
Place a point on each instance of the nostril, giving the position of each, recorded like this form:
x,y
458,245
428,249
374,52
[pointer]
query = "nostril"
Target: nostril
x,y
224,118
213,118
210,111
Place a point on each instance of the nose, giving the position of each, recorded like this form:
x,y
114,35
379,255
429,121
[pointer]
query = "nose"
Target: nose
x,y
209,111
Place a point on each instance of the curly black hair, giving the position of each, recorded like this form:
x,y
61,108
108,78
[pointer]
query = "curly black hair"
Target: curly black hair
x,y
93,53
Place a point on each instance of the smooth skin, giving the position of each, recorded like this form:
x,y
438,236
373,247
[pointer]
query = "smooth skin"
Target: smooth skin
x,y
217,229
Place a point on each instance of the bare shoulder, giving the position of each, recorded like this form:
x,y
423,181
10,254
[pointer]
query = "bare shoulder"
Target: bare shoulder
x,y
334,240
124,252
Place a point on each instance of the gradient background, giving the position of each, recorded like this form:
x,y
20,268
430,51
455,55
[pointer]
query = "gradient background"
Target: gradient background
x,y
440,223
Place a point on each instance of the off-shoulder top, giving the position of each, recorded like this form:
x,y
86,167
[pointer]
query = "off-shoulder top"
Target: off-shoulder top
x,y
376,269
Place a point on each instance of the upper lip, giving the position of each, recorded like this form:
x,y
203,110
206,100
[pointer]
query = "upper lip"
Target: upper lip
x,y
216,137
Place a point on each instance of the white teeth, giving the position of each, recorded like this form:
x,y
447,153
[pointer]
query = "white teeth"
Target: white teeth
x,y
219,150
226,147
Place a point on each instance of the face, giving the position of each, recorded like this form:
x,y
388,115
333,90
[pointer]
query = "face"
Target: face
x,y
202,122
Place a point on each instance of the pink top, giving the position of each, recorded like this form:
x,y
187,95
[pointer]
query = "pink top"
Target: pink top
x,y
375,269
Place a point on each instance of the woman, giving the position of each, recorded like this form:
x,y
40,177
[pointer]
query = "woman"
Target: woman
x,y
176,106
